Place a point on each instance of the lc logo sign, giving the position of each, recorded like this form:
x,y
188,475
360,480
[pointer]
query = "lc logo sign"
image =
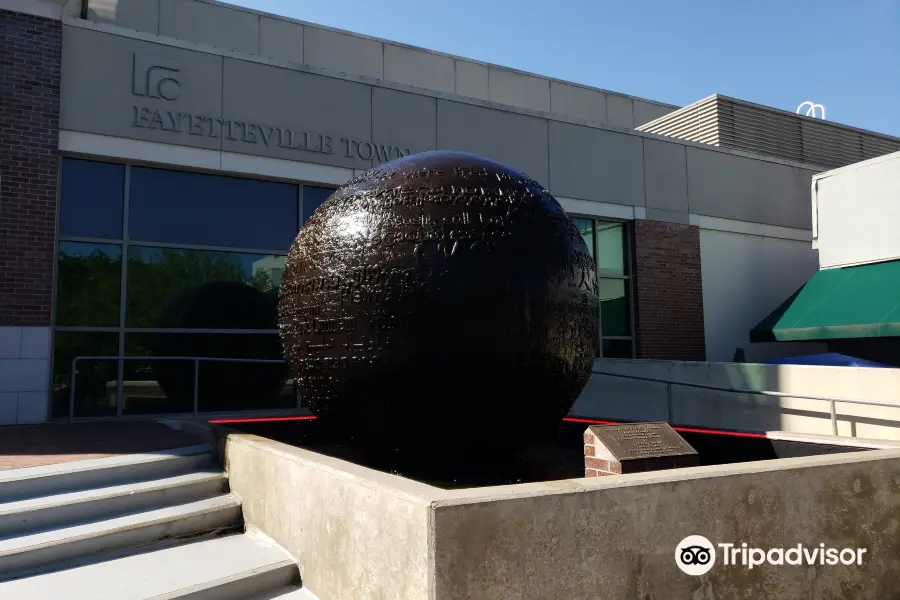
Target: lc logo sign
x,y
156,77
159,77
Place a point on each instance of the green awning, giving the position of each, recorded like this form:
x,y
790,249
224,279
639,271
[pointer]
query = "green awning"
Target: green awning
x,y
853,302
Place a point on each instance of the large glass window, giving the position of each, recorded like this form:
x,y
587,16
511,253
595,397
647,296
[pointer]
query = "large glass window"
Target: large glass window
x,y
615,313
168,386
211,210
94,193
95,380
89,279
586,228
193,273
159,278
608,243
611,255
313,197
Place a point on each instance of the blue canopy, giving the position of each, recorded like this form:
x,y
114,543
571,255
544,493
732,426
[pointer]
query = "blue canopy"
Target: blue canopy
x,y
829,359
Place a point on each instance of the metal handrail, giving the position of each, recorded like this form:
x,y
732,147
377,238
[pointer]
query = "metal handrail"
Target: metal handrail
x,y
831,400
197,360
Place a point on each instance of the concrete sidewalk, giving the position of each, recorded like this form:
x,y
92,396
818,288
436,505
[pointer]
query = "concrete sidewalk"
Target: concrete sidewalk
x,y
24,446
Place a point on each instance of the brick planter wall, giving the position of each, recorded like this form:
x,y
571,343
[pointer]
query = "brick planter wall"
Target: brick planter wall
x,y
30,51
668,291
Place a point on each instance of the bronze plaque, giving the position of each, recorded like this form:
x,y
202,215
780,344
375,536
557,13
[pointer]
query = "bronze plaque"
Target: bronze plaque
x,y
634,441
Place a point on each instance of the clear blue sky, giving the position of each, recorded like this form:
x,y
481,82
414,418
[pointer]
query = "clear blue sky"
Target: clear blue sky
x,y
844,54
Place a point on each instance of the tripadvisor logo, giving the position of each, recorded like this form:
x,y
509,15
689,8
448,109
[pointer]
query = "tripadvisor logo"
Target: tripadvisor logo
x,y
696,555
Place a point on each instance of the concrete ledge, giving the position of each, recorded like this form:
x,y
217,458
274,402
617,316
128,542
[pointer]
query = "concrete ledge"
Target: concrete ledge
x,y
619,534
356,533
49,9
360,533
218,161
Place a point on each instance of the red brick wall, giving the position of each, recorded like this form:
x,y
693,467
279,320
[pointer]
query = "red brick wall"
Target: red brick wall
x,y
668,291
30,49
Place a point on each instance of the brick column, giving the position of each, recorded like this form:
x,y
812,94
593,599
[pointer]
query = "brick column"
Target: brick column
x,y
594,466
668,291
30,51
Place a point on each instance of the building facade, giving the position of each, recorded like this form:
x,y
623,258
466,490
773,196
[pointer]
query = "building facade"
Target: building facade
x,y
153,146
852,304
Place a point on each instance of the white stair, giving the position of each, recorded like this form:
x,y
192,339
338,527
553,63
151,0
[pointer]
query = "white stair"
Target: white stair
x,y
289,594
239,567
75,545
150,526
16,484
51,511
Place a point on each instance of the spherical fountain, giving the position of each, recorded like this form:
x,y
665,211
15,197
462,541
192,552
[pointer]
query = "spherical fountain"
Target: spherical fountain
x,y
440,303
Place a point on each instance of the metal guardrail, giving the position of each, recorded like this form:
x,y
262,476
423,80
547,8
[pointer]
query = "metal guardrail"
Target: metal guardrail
x,y
669,383
196,360
832,402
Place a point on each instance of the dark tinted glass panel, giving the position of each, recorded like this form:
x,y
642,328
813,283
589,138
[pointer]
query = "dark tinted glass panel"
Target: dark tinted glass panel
x,y
617,349
89,284
615,319
141,391
91,199
175,288
313,197
156,387
586,227
95,380
611,247
211,210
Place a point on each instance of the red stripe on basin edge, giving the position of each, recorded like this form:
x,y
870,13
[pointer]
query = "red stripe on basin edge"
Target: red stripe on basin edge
x,y
685,429
569,419
261,419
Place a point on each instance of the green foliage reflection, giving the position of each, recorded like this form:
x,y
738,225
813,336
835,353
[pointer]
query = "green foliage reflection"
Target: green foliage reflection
x,y
157,275
89,283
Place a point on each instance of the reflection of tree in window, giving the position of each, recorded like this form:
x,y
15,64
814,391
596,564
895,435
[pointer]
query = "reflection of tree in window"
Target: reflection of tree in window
x,y
89,280
157,275
267,272
259,219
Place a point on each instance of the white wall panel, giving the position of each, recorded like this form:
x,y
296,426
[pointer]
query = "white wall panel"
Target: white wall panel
x,y
745,277
858,210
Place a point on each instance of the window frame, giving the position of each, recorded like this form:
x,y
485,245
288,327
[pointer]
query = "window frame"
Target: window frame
x,y
121,329
123,243
61,186
627,276
126,224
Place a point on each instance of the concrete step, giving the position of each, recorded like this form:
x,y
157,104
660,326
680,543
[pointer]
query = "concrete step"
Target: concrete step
x,y
288,593
18,484
237,567
102,540
72,508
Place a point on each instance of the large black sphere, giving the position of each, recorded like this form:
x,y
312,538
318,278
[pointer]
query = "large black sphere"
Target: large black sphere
x,y
441,298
